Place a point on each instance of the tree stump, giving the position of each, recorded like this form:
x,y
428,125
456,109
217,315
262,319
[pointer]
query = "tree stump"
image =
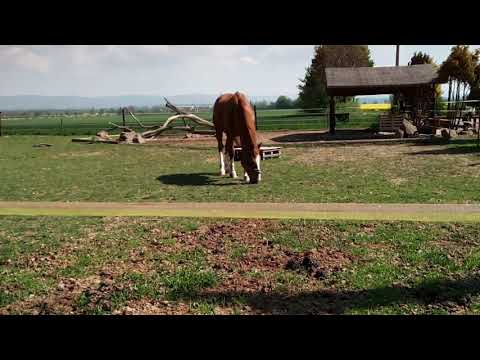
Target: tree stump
x,y
399,133
103,135
138,139
127,137
409,129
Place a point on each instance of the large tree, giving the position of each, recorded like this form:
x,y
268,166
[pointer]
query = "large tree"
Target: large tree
x,y
283,102
475,85
420,58
313,85
460,70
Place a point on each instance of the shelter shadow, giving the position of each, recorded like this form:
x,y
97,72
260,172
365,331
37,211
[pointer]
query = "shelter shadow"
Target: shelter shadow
x,y
446,294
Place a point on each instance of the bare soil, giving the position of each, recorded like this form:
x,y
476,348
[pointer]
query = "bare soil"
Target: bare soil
x,y
217,241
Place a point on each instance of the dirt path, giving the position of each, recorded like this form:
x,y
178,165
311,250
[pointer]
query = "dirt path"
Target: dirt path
x,y
350,211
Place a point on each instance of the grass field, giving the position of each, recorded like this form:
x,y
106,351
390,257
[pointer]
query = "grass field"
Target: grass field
x,y
91,124
406,173
94,265
120,265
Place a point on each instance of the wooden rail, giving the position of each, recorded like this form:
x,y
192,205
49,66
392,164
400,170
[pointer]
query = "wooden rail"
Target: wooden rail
x,y
388,123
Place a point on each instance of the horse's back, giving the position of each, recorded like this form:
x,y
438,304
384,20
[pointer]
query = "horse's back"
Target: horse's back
x,y
232,110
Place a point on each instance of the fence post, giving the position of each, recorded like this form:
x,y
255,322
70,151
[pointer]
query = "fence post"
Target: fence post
x,y
332,115
123,116
61,126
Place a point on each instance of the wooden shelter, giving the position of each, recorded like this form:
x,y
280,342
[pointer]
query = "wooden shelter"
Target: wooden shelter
x,y
413,82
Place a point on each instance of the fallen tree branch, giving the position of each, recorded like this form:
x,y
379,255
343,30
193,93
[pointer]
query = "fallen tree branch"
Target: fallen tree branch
x,y
156,130
172,107
139,123
193,117
121,127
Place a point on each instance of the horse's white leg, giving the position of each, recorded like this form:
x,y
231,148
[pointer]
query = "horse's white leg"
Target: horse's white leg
x,y
246,177
258,166
222,163
233,173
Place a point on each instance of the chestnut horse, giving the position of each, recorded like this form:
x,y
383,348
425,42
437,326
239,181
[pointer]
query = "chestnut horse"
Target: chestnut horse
x,y
233,114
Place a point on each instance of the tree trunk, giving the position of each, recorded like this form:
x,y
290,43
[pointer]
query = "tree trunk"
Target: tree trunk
x,y
457,99
409,129
449,96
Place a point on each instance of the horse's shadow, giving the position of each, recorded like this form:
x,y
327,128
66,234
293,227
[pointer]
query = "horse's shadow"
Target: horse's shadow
x,y
196,179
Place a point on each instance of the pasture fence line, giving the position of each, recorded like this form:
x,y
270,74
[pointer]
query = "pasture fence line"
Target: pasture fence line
x,y
13,123
265,120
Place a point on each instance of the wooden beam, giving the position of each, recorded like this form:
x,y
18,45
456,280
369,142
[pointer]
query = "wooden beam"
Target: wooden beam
x,y
332,115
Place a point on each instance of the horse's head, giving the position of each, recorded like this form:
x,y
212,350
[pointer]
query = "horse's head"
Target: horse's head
x,y
249,163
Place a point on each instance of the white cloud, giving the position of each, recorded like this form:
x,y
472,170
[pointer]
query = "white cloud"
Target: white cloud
x,y
97,70
23,58
248,60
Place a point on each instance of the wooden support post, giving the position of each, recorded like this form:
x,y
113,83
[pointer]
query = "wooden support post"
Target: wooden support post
x,y
123,116
477,126
397,56
332,115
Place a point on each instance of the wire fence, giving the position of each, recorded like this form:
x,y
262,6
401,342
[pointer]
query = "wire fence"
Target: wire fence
x,y
347,117
267,120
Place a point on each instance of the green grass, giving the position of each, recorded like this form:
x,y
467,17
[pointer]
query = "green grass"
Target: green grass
x,y
402,268
268,120
186,282
97,172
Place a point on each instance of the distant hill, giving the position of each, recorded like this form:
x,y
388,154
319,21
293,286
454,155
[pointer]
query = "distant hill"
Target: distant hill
x,y
39,102
372,99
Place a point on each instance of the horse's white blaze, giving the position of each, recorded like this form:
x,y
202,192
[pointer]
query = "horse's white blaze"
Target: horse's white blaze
x,y
222,164
258,166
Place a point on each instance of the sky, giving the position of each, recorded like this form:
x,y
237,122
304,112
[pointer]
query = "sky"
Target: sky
x,y
107,70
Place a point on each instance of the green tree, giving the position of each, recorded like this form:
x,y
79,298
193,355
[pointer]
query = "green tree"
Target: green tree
x,y
262,105
460,70
283,102
313,86
420,58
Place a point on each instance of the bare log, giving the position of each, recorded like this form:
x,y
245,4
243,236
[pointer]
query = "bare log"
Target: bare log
x,y
166,125
139,123
172,107
409,129
193,117
121,127
156,130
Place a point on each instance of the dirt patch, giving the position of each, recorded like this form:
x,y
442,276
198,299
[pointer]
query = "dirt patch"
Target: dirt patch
x,y
60,301
258,255
348,153
146,307
80,154
397,181
319,263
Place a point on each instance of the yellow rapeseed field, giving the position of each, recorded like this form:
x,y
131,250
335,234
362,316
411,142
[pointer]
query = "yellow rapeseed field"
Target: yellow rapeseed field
x,y
375,106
